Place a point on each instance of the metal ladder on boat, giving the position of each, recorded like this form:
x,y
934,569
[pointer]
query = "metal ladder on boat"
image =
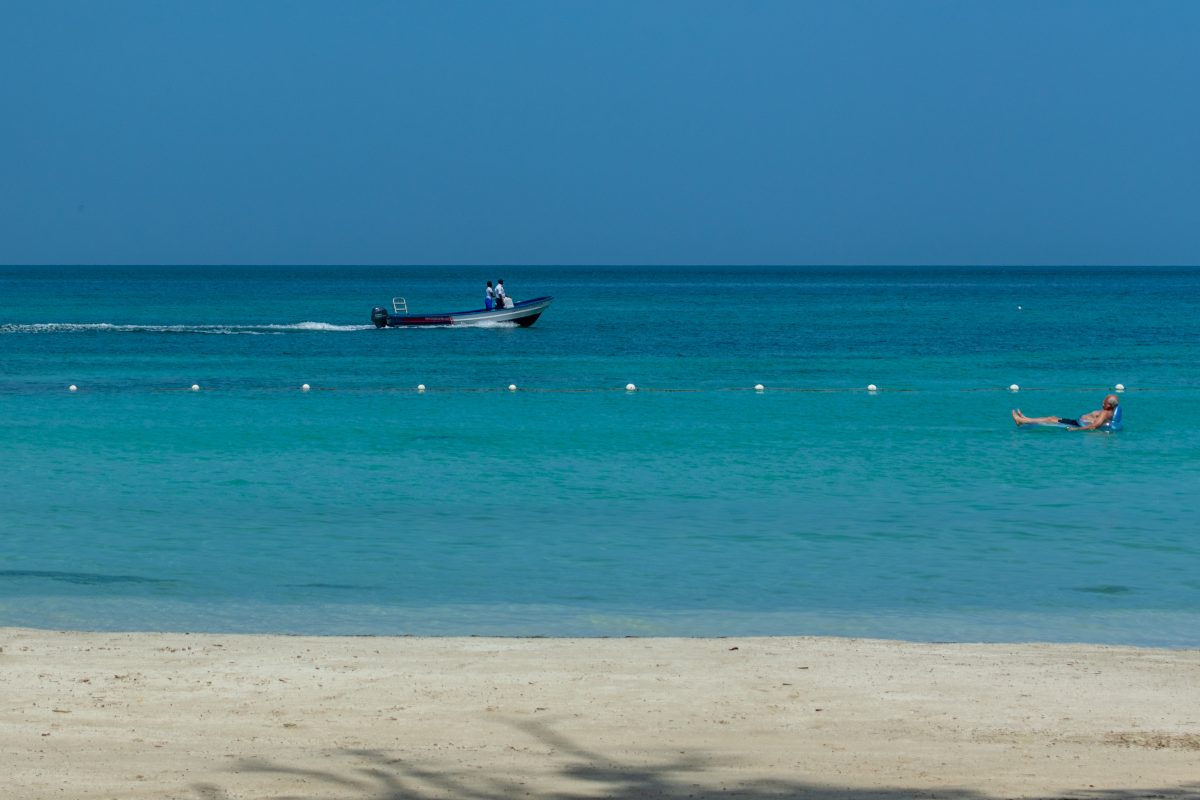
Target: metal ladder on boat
x,y
399,305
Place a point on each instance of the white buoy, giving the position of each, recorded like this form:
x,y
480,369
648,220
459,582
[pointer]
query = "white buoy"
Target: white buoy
x,y
1018,308
1120,387
1014,388
512,387
305,387
420,387
872,387
758,387
195,387
72,388
629,387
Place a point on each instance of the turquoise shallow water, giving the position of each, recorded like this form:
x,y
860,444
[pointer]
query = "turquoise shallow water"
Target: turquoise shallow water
x,y
693,506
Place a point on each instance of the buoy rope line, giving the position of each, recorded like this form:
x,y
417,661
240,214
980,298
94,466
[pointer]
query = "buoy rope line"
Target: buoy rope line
x,y
628,389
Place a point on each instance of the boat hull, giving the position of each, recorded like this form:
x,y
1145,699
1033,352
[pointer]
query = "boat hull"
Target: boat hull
x,y
524,313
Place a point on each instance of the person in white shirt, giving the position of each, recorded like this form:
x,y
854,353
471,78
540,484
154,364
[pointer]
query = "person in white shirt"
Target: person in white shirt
x,y
500,295
489,297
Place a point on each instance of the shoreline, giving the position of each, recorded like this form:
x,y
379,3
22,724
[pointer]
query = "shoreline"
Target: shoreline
x,y
1147,628
223,716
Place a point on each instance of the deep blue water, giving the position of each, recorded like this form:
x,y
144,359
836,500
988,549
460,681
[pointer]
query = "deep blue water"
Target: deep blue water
x,y
692,506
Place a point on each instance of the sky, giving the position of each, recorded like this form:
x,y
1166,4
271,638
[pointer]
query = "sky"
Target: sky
x,y
548,132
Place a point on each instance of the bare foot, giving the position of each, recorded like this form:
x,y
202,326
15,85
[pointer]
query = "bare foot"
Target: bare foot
x,y
1018,417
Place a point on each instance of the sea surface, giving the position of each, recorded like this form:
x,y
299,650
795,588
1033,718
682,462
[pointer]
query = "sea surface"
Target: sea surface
x,y
694,505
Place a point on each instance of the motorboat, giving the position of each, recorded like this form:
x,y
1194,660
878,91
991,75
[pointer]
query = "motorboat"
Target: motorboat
x,y
524,313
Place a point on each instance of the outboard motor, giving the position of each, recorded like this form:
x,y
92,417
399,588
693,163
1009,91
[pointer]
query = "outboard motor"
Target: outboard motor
x,y
379,316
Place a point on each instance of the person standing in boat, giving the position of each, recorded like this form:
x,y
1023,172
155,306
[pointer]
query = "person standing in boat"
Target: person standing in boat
x,y
500,295
489,297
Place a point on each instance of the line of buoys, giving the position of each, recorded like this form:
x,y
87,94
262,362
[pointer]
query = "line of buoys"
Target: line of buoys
x,y
631,387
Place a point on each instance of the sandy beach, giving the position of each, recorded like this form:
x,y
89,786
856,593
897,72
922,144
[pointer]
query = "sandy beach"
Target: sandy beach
x,y
218,717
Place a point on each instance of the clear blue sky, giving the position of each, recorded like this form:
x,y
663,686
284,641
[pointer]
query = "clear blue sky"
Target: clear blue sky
x,y
564,132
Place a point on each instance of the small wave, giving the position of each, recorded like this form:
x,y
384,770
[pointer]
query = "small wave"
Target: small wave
x,y
85,578
487,323
220,330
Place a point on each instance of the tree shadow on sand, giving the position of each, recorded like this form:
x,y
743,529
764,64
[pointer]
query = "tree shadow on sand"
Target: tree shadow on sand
x,y
376,775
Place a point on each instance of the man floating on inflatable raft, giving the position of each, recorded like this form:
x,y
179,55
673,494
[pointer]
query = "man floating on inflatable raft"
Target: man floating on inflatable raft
x,y
1107,418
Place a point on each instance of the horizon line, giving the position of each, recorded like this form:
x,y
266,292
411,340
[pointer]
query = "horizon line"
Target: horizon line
x,y
519,265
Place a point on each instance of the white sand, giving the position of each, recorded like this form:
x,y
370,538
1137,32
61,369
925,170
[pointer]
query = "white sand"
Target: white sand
x,y
216,716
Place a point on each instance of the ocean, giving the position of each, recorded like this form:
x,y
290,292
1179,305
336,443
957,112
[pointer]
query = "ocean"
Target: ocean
x,y
693,506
